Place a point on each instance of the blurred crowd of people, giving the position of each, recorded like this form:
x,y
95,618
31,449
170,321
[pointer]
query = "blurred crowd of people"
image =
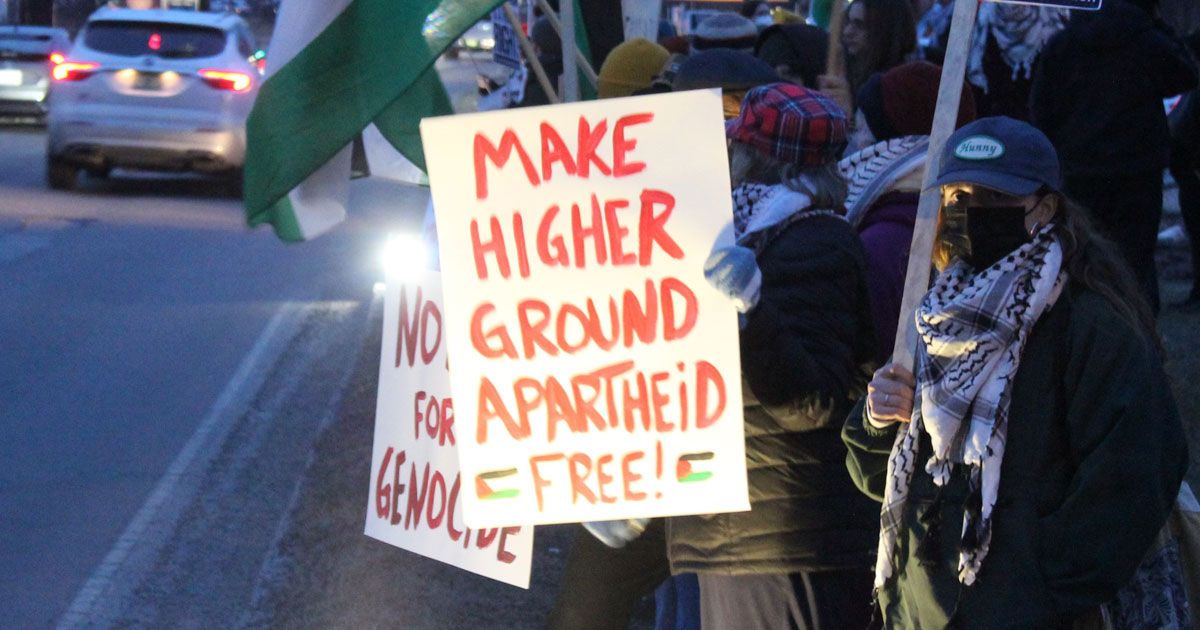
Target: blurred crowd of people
x,y
1028,460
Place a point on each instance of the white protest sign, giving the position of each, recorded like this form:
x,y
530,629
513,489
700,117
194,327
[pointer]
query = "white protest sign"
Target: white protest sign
x,y
506,50
641,18
595,372
416,490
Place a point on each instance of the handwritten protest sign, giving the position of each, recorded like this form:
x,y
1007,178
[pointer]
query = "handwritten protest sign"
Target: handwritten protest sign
x,y
595,372
416,490
507,50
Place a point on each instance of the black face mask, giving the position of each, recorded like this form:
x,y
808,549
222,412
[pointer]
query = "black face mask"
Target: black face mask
x,y
993,233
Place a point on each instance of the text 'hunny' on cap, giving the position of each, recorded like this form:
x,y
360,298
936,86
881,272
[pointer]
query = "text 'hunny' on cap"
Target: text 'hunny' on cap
x,y
1002,154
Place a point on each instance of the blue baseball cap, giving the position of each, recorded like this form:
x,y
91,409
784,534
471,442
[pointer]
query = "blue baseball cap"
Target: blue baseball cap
x,y
1000,153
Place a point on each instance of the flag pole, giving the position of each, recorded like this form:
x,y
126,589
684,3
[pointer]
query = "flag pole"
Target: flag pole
x,y
916,281
835,61
570,75
530,54
588,71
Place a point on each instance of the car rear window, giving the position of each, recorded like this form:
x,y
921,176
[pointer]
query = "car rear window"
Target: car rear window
x,y
25,46
172,41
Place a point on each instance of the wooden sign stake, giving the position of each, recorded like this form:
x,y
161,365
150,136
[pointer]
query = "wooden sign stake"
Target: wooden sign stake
x,y
835,61
530,54
916,281
588,71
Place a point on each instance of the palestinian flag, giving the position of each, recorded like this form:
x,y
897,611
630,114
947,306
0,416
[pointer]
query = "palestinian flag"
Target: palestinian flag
x,y
334,67
690,467
485,481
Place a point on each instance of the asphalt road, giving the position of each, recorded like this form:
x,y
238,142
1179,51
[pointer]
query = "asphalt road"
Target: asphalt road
x,y
163,372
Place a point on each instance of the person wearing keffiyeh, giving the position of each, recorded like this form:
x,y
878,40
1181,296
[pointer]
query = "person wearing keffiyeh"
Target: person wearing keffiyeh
x,y
1030,462
884,171
801,557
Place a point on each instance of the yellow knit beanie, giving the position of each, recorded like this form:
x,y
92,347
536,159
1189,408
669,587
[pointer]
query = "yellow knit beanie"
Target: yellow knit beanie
x,y
629,67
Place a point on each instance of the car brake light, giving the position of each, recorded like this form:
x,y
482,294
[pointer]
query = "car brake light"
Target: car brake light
x,y
56,58
71,70
223,80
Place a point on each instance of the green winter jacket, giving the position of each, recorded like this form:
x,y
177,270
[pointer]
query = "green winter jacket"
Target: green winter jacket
x,y
1094,458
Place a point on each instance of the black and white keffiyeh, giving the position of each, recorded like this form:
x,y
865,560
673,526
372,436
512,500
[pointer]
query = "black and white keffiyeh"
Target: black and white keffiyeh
x,y
763,211
874,170
973,327
1021,30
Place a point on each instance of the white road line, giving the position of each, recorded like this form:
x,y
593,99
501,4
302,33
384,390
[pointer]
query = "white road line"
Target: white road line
x,y
212,430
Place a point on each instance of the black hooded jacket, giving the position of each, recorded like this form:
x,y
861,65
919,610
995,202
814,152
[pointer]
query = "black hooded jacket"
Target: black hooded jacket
x,y
805,352
1098,88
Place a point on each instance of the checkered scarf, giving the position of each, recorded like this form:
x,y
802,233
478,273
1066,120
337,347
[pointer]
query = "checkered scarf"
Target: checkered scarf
x,y
1020,31
873,170
763,211
973,327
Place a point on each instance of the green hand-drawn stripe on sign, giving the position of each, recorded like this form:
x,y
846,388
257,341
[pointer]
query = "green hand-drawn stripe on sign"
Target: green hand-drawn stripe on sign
x,y
502,494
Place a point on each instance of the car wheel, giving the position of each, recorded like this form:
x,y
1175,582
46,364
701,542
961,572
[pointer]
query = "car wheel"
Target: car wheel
x,y
60,174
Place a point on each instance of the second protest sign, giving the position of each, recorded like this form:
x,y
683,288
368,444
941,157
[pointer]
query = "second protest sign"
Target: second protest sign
x,y
595,372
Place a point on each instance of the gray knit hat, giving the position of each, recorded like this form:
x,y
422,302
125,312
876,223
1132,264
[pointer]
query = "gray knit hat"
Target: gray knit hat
x,y
725,30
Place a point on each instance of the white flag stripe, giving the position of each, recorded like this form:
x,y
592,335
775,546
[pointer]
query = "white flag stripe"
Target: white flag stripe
x,y
319,202
298,23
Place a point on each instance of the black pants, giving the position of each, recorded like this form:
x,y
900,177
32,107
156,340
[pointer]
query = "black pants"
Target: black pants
x,y
601,585
1127,210
806,600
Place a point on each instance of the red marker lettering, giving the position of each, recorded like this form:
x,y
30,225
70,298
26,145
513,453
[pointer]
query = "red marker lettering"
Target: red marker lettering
x,y
484,149
621,146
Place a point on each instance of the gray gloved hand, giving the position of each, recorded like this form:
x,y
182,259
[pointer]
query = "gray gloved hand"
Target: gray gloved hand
x,y
617,533
734,272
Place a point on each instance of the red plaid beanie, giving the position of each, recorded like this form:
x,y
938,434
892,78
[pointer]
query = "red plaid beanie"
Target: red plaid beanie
x,y
791,124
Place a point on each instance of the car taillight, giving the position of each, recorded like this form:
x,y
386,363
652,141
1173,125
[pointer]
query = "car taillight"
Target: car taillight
x,y
224,80
64,70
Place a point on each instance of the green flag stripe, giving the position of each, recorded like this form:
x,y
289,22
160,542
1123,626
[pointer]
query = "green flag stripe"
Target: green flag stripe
x,y
282,217
400,122
363,62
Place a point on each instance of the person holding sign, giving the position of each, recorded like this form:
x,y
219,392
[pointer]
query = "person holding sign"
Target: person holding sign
x,y
1027,467
801,557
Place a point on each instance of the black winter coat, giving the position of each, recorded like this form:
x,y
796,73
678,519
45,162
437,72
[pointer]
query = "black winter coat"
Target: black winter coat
x,y
805,352
1094,458
1098,88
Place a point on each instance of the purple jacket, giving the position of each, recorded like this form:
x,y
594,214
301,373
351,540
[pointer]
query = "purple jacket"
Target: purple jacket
x,y
886,232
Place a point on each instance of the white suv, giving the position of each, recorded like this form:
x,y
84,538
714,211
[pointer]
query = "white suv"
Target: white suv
x,y
152,89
